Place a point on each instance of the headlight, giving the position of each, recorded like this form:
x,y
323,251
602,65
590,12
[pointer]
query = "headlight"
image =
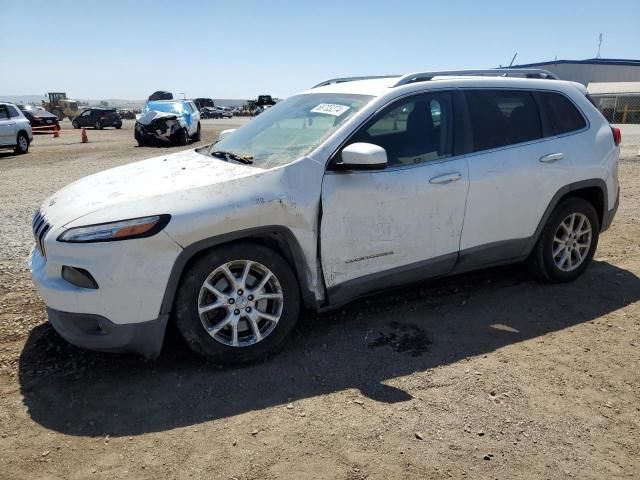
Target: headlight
x,y
122,230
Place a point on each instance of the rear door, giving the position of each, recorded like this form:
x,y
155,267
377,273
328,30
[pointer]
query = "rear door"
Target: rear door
x,y
7,130
389,227
515,169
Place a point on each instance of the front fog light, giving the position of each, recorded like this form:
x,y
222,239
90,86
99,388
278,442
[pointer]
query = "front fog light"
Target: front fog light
x,y
79,277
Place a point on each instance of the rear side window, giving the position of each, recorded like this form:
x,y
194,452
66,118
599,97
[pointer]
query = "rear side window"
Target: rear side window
x,y
13,111
4,114
502,117
559,114
412,131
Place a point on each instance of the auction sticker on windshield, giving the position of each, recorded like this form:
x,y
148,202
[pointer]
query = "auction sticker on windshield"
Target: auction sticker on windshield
x,y
330,109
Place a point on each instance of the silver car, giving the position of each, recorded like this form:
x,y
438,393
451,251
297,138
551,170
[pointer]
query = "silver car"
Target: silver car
x,y
15,129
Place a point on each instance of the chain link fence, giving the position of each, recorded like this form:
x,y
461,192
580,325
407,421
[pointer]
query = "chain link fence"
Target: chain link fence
x,y
619,108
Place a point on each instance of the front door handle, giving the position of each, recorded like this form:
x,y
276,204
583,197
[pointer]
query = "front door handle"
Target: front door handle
x,y
446,178
552,157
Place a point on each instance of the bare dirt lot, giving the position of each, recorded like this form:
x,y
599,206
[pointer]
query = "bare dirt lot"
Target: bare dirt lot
x,y
487,375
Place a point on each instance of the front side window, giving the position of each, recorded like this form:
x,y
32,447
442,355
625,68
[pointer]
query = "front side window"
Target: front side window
x,y
414,130
502,117
292,128
560,115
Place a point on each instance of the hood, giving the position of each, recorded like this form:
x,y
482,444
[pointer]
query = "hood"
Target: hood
x,y
140,182
149,117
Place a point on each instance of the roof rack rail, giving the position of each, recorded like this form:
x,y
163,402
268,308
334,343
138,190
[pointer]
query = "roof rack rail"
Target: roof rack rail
x,y
351,79
494,72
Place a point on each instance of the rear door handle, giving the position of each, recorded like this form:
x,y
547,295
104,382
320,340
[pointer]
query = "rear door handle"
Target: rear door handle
x,y
446,178
552,157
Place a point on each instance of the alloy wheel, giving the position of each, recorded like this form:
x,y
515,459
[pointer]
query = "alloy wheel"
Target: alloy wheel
x,y
571,242
23,143
240,303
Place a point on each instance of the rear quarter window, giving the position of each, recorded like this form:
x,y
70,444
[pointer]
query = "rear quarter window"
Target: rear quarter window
x,y
559,114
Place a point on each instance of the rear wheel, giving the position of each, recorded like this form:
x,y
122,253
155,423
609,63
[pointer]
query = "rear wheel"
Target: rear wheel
x,y
237,303
567,243
119,126
198,134
22,144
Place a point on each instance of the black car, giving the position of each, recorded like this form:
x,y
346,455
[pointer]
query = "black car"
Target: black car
x,y
161,95
203,102
41,121
98,118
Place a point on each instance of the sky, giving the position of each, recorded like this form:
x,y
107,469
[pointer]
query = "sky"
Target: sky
x,y
243,48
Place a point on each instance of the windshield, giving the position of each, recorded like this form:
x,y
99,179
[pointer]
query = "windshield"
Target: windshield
x,y
292,128
167,107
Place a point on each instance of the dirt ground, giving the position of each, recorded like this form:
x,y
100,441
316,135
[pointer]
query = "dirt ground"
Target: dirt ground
x,y
482,376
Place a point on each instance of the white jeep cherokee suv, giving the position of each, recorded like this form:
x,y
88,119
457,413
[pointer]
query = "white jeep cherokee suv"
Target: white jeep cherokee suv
x,y
348,188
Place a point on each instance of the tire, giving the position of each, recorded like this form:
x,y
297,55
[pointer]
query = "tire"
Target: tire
x,y
118,126
22,144
97,125
75,124
198,134
557,238
139,139
182,137
218,347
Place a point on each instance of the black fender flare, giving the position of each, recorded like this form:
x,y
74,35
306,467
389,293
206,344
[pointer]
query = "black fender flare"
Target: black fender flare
x,y
288,245
564,191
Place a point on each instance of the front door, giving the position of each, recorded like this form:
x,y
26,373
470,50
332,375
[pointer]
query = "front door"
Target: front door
x,y
401,224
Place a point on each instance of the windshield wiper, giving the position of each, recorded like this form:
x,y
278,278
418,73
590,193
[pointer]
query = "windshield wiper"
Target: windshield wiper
x,y
246,159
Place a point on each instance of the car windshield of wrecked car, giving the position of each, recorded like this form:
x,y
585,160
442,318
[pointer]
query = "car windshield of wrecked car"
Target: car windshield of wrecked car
x,y
291,129
166,107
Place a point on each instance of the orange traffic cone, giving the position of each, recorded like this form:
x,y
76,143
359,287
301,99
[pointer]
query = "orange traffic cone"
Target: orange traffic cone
x,y
84,136
56,133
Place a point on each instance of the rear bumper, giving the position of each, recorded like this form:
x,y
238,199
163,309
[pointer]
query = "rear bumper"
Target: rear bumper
x,y
607,217
95,332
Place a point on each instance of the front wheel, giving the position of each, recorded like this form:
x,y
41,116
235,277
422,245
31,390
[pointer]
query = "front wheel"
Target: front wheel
x,y
182,137
567,243
75,124
237,304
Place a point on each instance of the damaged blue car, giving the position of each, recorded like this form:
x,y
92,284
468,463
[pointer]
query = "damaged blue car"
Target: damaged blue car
x,y
168,121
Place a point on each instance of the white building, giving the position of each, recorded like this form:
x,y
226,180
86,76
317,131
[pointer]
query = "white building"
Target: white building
x,y
613,84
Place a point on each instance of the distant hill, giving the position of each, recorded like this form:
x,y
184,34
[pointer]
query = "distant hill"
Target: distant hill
x,y
113,102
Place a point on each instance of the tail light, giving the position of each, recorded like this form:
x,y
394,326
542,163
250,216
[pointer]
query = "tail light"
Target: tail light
x,y
617,135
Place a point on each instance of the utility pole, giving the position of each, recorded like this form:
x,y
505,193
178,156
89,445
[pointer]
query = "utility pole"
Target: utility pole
x,y
599,45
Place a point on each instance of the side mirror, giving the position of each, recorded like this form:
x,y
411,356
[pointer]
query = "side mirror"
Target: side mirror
x,y
363,156
226,132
